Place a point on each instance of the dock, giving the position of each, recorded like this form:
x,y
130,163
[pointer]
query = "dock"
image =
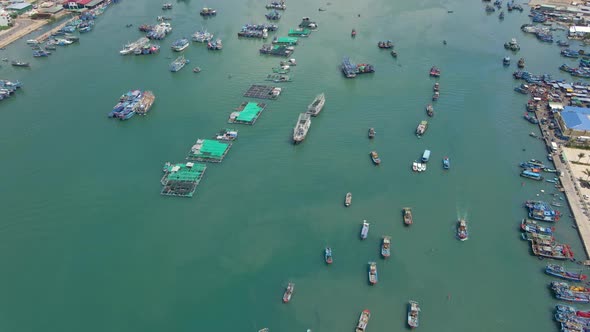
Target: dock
x,y
181,180
208,150
263,92
247,113
48,34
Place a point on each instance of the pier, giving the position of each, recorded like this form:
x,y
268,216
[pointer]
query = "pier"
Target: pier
x,y
247,113
48,34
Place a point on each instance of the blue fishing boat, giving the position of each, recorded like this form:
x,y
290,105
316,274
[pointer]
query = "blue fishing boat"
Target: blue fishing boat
x,y
569,53
180,44
531,175
562,43
364,230
539,210
348,68
531,226
178,64
40,53
373,276
560,272
273,15
446,163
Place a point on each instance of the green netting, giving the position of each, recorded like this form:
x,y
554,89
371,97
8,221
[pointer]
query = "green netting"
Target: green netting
x,y
287,40
250,112
212,149
299,32
190,174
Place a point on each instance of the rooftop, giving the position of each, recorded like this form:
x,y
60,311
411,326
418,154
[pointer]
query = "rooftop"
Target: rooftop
x,y
209,150
576,118
19,6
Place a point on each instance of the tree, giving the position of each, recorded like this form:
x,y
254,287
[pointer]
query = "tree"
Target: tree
x,y
587,173
581,155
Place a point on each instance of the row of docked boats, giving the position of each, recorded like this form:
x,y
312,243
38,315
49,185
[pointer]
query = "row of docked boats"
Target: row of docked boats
x,y
131,103
8,88
572,319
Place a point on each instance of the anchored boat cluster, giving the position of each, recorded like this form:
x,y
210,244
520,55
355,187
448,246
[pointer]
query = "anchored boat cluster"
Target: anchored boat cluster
x,y
131,103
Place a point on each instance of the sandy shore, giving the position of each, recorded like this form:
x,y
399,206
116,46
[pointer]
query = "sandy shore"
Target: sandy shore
x,y
550,2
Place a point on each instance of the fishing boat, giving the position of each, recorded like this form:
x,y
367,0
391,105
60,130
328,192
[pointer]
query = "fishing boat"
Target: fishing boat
x,y
462,232
501,16
178,64
301,128
413,314
208,12
512,45
434,72
506,61
430,110
276,5
553,250
202,36
328,255
373,276
385,44
227,134
316,105
273,15
435,96
560,272
32,42
264,330
364,230
538,238
180,45
436,87
407,214
531,226
348,199
363,321
166,6
288,292
353,33
215,45
385,246
520,63
375,158
531,174
290,62
278,78
40,53
539,210
446,163
20,64
197,70
421,129
371,133
394,54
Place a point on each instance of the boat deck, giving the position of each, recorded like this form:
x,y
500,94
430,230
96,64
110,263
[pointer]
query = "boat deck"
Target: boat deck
x,y
181,179
261,92
247,113
209,150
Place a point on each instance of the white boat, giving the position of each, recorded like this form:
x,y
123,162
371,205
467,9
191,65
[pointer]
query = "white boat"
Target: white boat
x,y
365,230
264,33
32,42
301,128
415,166
317,105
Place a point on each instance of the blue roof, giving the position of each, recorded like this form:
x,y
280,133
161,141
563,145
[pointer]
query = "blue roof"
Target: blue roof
x,y
19,6
577,118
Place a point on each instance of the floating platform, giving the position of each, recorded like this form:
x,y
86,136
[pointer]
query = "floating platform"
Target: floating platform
x,y
209,150
263,92
247,113
277,50
181,179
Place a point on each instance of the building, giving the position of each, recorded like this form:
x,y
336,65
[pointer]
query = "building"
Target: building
x,y
81,4
19,7
574,121
5,19
578,31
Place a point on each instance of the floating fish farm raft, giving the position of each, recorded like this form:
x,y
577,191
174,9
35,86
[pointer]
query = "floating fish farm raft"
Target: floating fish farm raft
x,y
291,41
299,32
181,179
247,113
263,92
209,150
277,50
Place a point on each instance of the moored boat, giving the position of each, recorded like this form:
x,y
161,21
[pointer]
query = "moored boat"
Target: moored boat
x,y
385,44
363,321
435,96
180,45
386,246
197,70
413,314
208,12
531,226
353,33
560,272
421,129
434,72
227,135
446,163
407,214
520,63
462,233
288,292
348,199
328,255
371,132
178,64
430,110
506,61
436,87
373,276
375,158
365,230
301,128
316,105
539,210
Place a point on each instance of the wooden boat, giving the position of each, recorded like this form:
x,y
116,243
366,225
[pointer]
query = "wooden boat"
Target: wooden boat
x,y
288,292
364,230
363,321
430,110
328,255
560,272
371,132
407,212
348,199
373,276
555,250
386,246
413,314
375,158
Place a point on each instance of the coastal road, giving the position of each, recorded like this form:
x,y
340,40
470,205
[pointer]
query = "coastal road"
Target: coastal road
x,y
21,28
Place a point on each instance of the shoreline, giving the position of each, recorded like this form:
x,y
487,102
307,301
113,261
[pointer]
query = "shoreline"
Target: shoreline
x,y
23,27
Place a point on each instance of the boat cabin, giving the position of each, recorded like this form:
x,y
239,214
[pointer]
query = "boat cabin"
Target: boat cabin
x,y
426,156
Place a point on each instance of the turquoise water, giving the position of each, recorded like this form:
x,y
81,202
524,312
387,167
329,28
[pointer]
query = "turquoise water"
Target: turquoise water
x,y
87,242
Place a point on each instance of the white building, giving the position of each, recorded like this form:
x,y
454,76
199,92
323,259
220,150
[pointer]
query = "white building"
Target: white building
x,y
5,19
579,31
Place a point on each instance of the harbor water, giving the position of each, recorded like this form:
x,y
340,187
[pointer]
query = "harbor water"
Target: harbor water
x,y
88,243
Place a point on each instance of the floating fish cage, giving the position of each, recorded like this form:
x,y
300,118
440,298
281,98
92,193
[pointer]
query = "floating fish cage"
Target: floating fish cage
x,y
208,150
247,113
181,179
263,92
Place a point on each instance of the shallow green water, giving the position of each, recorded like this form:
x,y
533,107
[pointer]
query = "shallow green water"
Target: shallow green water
x,y
87,243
